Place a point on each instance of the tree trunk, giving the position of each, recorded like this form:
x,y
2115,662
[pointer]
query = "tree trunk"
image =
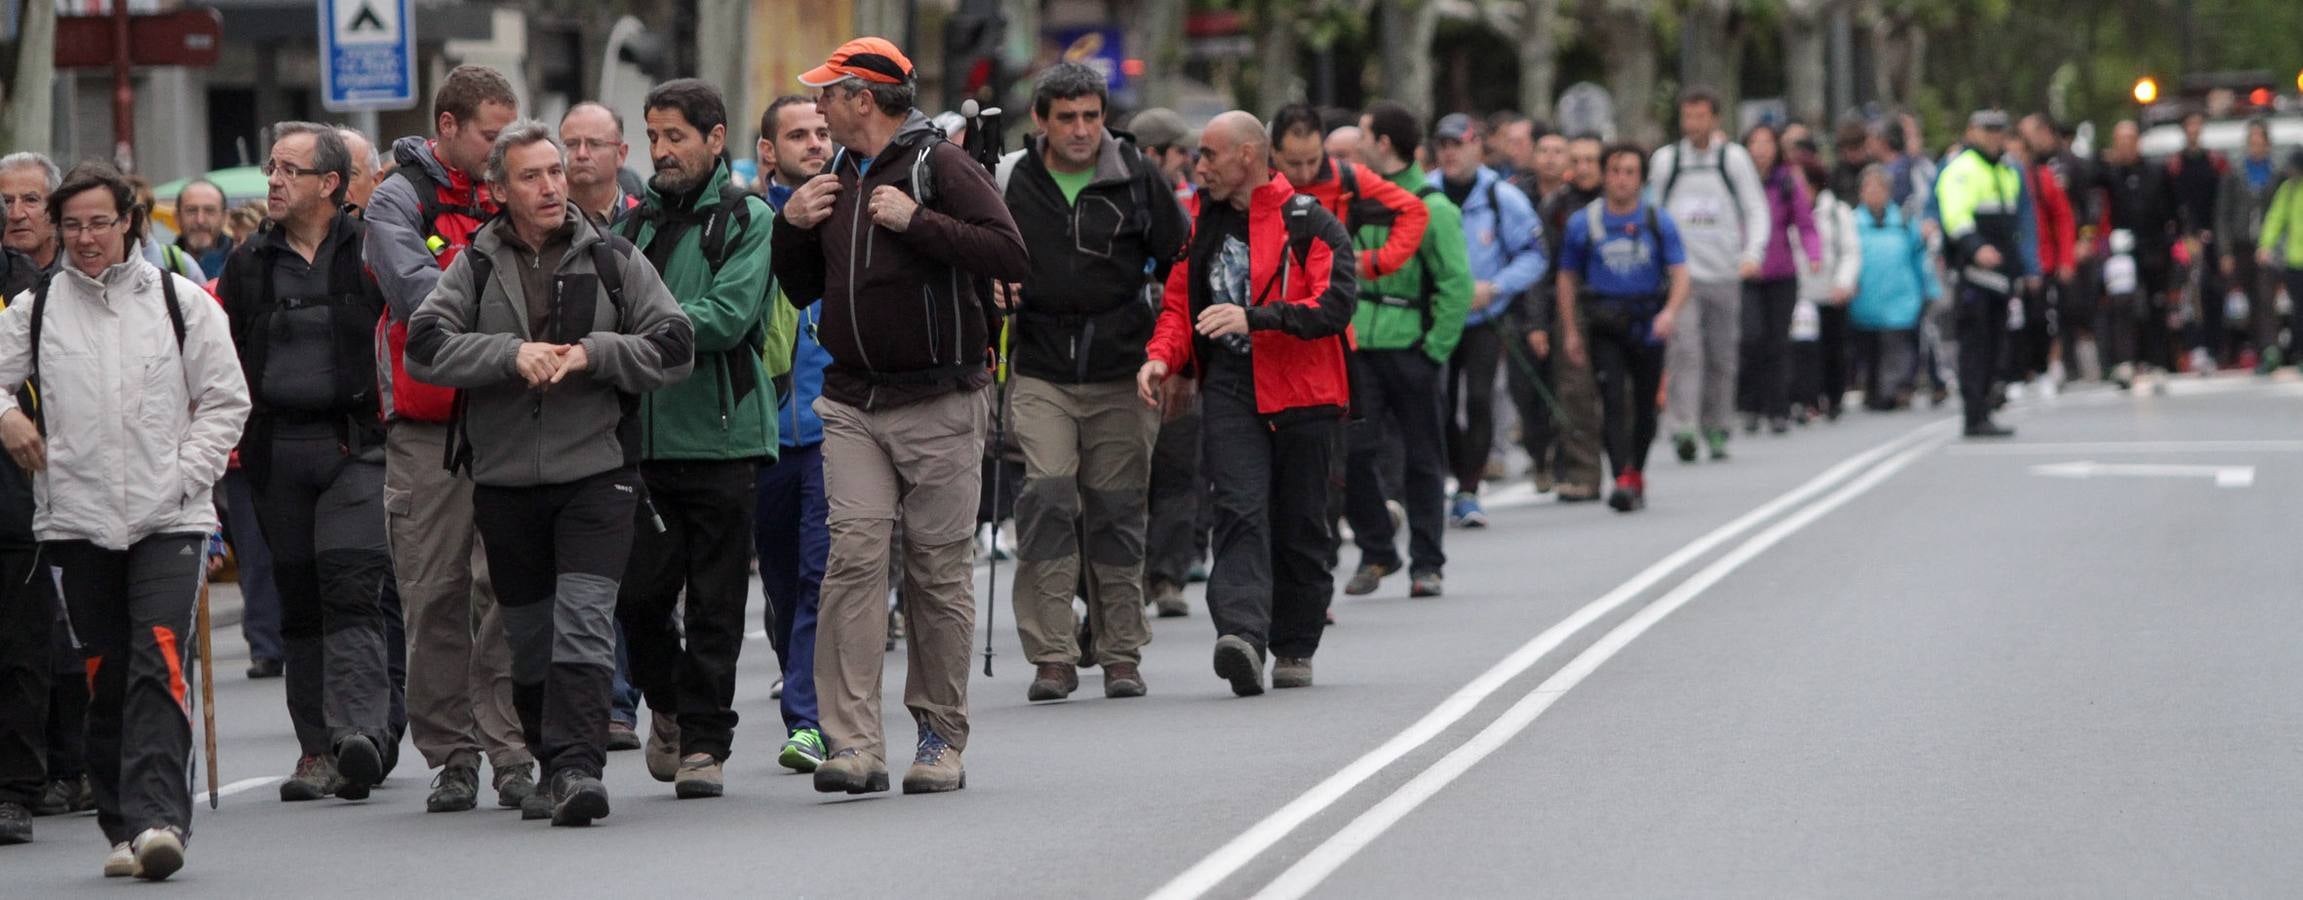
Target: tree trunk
x,y
1806,72
1276,81
1626,35
1159,32
1406,30
1538,57
1711,52
30,120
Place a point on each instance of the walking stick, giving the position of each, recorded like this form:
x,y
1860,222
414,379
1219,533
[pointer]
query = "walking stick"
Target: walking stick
x,y
983,146
207,692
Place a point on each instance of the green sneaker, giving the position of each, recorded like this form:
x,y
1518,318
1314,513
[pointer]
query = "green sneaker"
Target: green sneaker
x,y
1716,441
804,751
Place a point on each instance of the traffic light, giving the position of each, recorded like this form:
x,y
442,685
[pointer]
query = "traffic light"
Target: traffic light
x,y
2146,90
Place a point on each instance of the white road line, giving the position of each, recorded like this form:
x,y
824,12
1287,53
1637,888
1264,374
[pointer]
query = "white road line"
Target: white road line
x,y
1323,861
1228,859
244,784
2081,449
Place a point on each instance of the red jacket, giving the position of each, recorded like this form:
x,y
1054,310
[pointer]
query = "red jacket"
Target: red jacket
x,y
1302,307
2058,233
1406,230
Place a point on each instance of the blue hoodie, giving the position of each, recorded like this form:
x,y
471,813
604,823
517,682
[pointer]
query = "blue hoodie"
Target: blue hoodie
x,y
796,421
1506,246
1896,281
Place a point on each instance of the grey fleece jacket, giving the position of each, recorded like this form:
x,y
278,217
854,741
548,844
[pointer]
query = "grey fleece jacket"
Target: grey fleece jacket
x,y
468,336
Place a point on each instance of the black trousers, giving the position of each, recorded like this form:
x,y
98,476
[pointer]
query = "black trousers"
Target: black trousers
x,y
704,550
1173,538
322,513
1982,324
556,554
1395,395
1629,370
67,701
1831,342
1884,358
1471,405
132,612
1763,380
27,625
1271,583
2026,351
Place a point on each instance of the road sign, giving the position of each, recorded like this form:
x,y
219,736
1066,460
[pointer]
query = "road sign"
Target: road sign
x,y
186,37
2224,476
367,54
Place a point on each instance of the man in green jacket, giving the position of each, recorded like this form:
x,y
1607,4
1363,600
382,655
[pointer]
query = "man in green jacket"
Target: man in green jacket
x,y
703,439
1407,325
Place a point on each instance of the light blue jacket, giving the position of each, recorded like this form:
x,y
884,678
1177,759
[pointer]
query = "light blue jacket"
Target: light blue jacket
x,y
1505,246
1896,282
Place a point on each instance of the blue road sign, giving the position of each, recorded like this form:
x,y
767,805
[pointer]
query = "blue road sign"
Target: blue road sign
x,y
367,54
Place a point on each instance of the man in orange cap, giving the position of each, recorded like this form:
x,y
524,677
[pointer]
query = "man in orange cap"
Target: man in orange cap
x,y
895,233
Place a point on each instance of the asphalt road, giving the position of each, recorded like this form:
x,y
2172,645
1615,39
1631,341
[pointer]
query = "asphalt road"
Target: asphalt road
x,y
1863,660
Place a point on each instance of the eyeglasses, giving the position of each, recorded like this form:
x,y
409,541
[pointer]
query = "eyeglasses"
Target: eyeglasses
x,y
291,170
591,145
72,227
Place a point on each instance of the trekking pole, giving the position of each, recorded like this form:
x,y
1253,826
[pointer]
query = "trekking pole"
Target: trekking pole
x,y
1512,348
983,146
207,692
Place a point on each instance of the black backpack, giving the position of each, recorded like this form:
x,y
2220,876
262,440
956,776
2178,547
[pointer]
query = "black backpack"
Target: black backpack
x,y
40,312
731,215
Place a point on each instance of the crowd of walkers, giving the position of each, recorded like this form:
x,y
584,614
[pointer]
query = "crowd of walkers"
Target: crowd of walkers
x,y
497,435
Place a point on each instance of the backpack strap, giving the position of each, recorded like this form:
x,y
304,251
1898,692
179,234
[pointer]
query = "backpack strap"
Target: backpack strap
x,y
728,217
608,263
39,312
1347,184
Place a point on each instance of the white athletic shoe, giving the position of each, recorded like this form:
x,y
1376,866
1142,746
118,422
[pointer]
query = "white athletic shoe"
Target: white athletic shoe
x,y
121,862
159,853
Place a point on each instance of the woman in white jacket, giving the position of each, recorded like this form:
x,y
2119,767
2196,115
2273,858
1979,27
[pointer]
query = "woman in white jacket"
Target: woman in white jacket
x,y
140,401
1819,386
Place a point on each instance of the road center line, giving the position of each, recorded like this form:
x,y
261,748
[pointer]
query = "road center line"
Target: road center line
x,y
1228,859
244,784
2061,449
1323,861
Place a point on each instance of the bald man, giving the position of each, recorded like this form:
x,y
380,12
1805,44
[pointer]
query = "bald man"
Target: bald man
x,y
364,166
1343,144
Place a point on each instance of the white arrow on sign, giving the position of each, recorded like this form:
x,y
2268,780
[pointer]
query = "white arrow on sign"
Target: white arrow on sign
x,y
2225,476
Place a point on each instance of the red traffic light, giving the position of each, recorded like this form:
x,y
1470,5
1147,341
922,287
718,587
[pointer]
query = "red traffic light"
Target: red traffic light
x,y
2259,97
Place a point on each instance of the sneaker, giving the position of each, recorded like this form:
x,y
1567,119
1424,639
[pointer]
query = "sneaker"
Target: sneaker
x,y
577,799
15,824
847,772
1291,672
1426,584
1716,441
1684,445
1465,512
1365,581
936,767
803,751
776,691
66,795
2202,362
699,776
1053,681
1630,492
315,779
515,785
361,766
1123,680
2123,375
1237,662
157,853
663,750
1167,600
266,668
121,862
2268,362
622,737
455,789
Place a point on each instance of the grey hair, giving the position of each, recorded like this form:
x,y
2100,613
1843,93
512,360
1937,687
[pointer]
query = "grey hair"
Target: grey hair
x,y
28,158
375,157
892,99
329,155
520,134
1877,171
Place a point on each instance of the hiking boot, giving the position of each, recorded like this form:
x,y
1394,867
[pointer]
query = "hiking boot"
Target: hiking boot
x,y
847,772
577,799
536,806
15,824
455,789
266,668
663,750
1365,581
804,751
1291,672
514,786
1053,681
157,853
699,776
1716,441
1465,512
1988,429
360,765
936,767
1630,492
65,795
1684,445
121,862
1426,584
315,779
1237,662
1122,680
1167,600
622,737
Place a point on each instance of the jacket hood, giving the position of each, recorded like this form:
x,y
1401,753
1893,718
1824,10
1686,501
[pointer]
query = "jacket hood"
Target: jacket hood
x,y
416,150
490,238
1111,165
135,271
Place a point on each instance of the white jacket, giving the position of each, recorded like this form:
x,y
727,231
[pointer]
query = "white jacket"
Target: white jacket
x,y
1842,251
138,431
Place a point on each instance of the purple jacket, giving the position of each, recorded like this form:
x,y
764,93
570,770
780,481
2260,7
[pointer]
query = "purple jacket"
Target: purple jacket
x,y
1788,201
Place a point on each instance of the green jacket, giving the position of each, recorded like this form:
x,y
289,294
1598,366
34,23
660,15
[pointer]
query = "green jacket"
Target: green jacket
x,y
2283,225
702,418
1390,314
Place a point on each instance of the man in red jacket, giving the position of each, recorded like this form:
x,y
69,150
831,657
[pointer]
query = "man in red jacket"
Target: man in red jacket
x,y
1258,310
2030,356
1298,151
